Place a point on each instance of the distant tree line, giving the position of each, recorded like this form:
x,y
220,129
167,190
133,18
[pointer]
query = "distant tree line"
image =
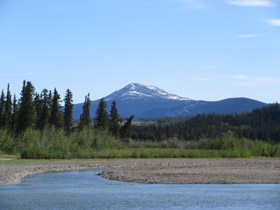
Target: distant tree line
x,y
44,110
262,124
37,126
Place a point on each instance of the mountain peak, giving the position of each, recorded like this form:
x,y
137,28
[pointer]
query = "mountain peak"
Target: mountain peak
x,y
139,91
152,102
134,86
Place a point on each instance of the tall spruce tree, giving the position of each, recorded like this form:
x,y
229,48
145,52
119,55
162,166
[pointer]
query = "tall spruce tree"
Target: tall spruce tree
x,y
114,120
44,114
125,132
85,121
38,108
26,115
8,109
56,115
68,111
50,99
14,114
102,119
2,110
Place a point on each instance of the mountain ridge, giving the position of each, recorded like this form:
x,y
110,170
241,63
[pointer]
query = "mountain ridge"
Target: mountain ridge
x,y
137,90
144,101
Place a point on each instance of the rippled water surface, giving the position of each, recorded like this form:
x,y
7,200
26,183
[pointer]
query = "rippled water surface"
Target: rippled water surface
x,y
87,190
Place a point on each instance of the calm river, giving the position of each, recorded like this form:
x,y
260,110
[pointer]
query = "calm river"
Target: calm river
x,y
87,190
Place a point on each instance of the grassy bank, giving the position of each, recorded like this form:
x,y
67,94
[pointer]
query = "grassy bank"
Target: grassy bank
x,y
171,153
87,144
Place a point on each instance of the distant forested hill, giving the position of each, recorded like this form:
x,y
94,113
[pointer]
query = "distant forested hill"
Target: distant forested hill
x,y
262,123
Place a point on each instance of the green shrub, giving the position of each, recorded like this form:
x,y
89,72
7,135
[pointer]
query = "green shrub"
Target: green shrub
x,y
55,144
7,144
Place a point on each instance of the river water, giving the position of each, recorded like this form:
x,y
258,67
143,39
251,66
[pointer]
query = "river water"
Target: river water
x,y
87,190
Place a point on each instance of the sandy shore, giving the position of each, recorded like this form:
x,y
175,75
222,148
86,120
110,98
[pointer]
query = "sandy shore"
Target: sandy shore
x,y
165,171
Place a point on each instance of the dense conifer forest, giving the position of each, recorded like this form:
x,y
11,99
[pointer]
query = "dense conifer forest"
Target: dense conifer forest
x,y
40,126
36,125
260,124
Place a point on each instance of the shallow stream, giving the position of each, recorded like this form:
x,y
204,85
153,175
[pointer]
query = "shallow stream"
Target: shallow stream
x,y
87,190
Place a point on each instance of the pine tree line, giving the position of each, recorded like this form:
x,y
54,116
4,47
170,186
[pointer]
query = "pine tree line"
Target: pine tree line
x,y
44,110
7,110
259,124
104,121
33,110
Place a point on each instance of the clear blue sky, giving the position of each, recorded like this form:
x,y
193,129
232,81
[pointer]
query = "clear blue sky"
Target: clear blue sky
x,y
200,49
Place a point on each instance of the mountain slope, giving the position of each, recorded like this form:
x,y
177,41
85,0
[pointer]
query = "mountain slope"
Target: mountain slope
x,y
152,102
135,91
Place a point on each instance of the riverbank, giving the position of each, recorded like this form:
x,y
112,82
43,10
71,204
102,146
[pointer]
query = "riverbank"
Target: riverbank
x,y
157,171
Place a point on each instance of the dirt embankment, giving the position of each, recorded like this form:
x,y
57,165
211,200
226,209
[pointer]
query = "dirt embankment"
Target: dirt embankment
x,y
164,171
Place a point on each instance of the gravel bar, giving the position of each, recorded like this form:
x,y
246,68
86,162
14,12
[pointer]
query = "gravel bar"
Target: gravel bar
x,y
157,171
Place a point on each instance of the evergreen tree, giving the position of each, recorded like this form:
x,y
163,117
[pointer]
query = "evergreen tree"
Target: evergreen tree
x,y
2,110
114,120
125,132
102,119
14,114
50,99
44,114
8,108
56,115
68,111
85,121
38,106
26,114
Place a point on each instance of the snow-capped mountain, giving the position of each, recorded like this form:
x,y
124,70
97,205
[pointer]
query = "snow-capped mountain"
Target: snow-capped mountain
x,y
151,102
135,91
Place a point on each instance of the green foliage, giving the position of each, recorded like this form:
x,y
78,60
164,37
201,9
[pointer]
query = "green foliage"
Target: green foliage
x,y
114,120
24,129
223,143
43,110
7,143
26,116
85,121
38,106
102,119
262,123
49,144
2,109
125,132
105,140
8,109
54,144
14,115
56,115
68,111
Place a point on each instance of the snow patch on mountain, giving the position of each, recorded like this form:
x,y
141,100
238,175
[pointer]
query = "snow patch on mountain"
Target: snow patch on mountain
x,y
135,93
139,91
